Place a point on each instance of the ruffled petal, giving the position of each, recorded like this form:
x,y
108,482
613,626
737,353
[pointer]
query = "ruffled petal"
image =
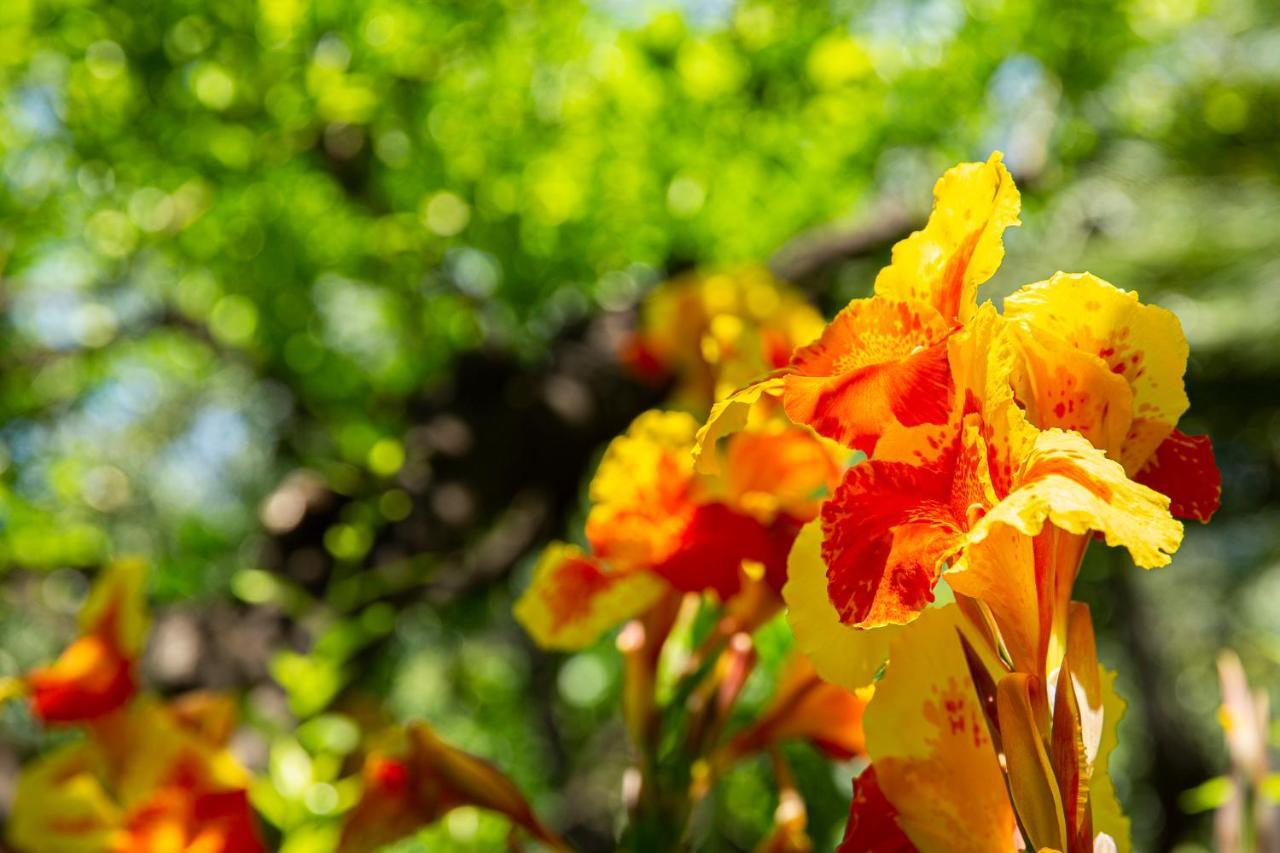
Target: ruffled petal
x,y
841,654
878,363
1074,390
1069,482
573,600
1184,470
962,244
886,530
1144,344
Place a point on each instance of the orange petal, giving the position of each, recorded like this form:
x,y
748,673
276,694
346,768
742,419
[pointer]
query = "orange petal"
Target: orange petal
x,y
928,739
1184,470
781,470
873,821
886,530
806,707
1000,571
877,363
208,822
573,600
962,244
91,678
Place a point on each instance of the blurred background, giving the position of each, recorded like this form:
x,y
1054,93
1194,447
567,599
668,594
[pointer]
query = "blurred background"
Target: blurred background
x,y
316,304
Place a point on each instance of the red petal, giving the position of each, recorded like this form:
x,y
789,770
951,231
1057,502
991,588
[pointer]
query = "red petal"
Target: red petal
x,y
873,825
716,542
1183,468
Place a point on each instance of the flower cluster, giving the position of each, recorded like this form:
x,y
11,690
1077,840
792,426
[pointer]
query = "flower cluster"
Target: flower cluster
x,y
997,446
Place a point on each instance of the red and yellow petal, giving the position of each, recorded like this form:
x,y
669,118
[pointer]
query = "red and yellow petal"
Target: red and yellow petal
x,y
886,530
1144,344
878,363
95,674
962,244
1184,470
928,739
91,678
642,493
1072,389
573,599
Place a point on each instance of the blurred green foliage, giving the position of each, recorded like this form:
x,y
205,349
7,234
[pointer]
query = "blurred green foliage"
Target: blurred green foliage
x,y
242,238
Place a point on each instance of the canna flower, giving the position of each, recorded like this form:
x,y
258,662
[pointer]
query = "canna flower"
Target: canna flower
x,y
715,331
416,779
1031,430
95,675
658,525
897,519
145,780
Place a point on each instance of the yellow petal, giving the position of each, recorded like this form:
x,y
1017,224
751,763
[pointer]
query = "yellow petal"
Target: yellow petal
x,y
929,742
117,604
641,493
60,805
1069,482
1142,343
961,246
656,445
573,600
730,415
840,653
1108,816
